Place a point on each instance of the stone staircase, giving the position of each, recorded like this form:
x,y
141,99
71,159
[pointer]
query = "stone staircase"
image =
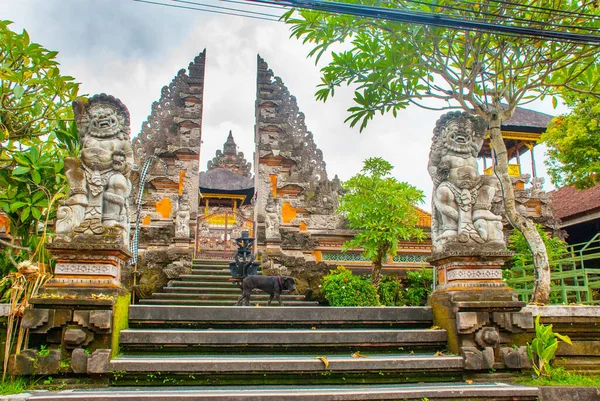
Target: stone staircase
x,y
209,284
195,345
183,345
228,353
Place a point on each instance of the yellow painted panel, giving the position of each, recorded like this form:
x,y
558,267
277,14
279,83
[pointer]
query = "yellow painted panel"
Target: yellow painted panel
x,y
181,178
288,212
164,207
273,179
514,170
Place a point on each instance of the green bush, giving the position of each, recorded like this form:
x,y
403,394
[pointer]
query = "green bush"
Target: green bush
x,y
418,285
342,288
391,291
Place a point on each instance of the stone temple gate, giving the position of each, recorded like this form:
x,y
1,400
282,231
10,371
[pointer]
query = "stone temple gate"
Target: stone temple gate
x,y
283,196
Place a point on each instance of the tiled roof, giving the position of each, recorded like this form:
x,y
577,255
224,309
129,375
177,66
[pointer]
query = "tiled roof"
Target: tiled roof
x,y
569,202
525,118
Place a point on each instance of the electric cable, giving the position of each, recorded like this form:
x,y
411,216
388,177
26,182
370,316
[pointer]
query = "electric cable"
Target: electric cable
x,y
207,10
496,16
224,8
435,20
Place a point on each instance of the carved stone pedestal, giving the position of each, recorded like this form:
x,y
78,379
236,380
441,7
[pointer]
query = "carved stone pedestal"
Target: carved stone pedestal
x,y
87,264
481,314
74,322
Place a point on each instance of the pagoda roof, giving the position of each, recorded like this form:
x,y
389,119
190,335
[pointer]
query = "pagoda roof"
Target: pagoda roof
x,y
224,180
527,120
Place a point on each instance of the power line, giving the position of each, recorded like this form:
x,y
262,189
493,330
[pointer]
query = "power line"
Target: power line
x,y
424,18
224,8
506,17
527,7
208,10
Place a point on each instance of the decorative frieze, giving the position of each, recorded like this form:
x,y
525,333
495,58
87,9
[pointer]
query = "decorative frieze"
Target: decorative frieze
x,y
94,269
474,274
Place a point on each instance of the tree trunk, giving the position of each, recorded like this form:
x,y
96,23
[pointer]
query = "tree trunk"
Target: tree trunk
x,y
376,273
541,289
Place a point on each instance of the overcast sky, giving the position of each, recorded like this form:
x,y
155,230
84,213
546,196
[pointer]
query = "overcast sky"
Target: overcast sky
x,y
131,50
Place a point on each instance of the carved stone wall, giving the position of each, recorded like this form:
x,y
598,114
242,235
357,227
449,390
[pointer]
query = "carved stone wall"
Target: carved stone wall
x,y
290,178
531,201
172,137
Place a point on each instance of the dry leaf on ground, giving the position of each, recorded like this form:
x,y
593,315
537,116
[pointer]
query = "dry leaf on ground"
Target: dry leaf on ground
x,y
324,360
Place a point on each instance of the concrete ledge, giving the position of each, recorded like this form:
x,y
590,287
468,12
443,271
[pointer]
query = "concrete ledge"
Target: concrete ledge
x,y
498,392
564,311
319,314
235,364
555,393
368,337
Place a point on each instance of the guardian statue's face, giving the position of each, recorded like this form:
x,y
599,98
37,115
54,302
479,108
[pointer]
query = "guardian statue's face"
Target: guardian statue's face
x,y
458,135
104,121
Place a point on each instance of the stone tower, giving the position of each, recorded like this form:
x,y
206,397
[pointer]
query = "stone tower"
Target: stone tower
x,y
294,195
171,138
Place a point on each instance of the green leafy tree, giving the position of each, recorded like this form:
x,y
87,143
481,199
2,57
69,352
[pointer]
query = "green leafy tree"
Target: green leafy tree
x,y
36,133
393,65
556,248
573,141
382,211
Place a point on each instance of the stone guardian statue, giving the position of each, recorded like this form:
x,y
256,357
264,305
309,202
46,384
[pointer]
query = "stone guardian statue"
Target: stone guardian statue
x,y
99,179
462,199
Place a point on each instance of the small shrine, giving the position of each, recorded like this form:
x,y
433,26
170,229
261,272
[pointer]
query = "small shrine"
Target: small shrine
x,y
225,189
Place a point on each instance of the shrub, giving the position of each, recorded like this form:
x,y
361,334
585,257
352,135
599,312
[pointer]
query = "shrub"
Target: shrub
x,y
543,347
342,288
418,285
392,292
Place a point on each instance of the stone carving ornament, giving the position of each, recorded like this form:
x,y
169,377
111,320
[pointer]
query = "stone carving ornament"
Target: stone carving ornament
x,y
272,216
462,198
182,222
99,178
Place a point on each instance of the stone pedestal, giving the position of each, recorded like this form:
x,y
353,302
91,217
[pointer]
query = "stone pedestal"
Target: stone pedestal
x,y
87,264
481,314
75,321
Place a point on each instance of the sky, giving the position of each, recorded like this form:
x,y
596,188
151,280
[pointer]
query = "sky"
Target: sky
x,y
131,50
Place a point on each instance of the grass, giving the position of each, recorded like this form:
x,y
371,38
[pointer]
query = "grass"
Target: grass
x,y
560,377
13,386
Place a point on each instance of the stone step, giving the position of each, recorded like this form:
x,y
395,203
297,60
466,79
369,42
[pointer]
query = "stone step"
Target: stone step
x,y
217,272
281,363
317,316
204,277
364,338
417,392
232,297
204,290
200,283
209,264
200,302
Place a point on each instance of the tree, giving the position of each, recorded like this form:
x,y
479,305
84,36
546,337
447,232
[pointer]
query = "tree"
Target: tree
x,y
393,65
382,211
556,247
573,142
36,133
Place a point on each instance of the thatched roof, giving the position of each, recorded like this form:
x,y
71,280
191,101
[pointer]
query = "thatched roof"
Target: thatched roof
x,y
525,120
222,179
